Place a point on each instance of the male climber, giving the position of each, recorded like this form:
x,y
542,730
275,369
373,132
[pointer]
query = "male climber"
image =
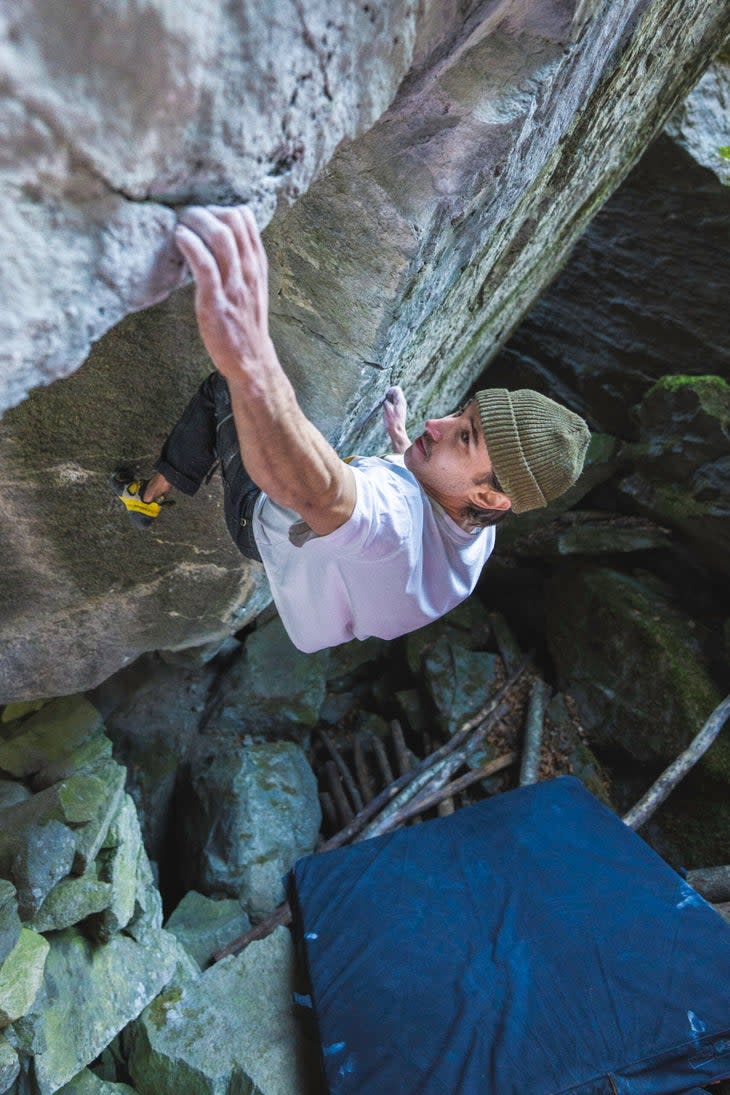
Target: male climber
x,y
377,546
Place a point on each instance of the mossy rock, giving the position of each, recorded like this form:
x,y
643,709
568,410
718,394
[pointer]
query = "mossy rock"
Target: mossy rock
x,y
629,659
21,975
681,463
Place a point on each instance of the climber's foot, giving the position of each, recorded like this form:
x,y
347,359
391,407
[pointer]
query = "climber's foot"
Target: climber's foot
x,y
142,499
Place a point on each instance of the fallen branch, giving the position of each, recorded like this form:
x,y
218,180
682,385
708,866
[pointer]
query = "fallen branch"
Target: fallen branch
x,y
429,798
670,777
437,770
334,752
534,727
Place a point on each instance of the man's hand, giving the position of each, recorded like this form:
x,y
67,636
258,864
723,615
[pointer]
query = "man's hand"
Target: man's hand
x,y
226,257
282,451
395,411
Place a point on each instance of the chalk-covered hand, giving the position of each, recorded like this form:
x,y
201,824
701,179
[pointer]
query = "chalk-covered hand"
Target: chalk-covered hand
x,y
395,411
226,257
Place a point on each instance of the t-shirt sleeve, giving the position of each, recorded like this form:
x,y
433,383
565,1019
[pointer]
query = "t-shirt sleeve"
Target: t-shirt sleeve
x,y
381,520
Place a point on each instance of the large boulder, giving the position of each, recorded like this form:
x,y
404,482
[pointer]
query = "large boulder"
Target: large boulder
x,y
410,258
246,814
231,1030
90,992
632,662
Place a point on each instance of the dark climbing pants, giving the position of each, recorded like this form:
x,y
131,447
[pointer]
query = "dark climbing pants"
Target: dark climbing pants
x,y
205,435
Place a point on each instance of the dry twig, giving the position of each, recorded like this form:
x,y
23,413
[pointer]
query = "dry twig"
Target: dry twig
x,y
670,777
534,726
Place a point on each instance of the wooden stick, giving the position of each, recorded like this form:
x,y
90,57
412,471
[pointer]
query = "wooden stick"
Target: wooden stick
x,y
401,751
338,793
344,771
361,767
670,777
534,727
280,915
328,808
432,798
382,758
507,645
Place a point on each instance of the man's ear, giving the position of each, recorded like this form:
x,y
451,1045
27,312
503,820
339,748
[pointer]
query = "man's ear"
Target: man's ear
x,y
488,498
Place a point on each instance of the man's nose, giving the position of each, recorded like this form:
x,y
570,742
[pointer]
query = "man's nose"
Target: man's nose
x,y
434,428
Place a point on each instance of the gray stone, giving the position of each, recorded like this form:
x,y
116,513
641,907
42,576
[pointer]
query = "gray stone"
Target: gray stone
x,y
699,124
410,259
588,533
249,812
232,1030
52,734
118,867
9,1064
108,780
9,919
460,681
273,688
631,661
73,900
35,856
204,925
147,901
12,791
13,711
466,626
86,1083
21,975
110,985
582,761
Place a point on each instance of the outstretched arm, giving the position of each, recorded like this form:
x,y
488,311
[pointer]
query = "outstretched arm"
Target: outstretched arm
x,y
283,452
395,411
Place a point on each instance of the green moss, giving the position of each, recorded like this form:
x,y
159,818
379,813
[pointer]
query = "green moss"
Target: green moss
x,y
696,818
713,392
158,1009
724,151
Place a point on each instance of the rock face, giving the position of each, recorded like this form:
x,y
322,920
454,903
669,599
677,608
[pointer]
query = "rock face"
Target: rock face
x,y
701,125
640,298
410,258
113,118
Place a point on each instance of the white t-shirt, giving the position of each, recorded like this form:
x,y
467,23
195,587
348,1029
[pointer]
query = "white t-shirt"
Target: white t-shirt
x,y
398,563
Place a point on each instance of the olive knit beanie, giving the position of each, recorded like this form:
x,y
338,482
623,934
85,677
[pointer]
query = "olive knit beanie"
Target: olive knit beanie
x,y
537,447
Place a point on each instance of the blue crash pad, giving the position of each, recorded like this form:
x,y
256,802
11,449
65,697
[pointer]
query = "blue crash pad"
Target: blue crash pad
x,y
528,945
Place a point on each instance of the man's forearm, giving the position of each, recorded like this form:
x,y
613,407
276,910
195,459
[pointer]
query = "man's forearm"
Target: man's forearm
x,y
283,452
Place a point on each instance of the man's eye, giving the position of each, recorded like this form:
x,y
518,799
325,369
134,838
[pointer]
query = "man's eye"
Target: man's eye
x,y
465,436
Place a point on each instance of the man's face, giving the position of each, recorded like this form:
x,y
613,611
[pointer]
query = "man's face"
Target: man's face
x,y
451,462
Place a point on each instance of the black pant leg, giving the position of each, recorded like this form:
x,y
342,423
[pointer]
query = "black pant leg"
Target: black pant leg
x,y
189,452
